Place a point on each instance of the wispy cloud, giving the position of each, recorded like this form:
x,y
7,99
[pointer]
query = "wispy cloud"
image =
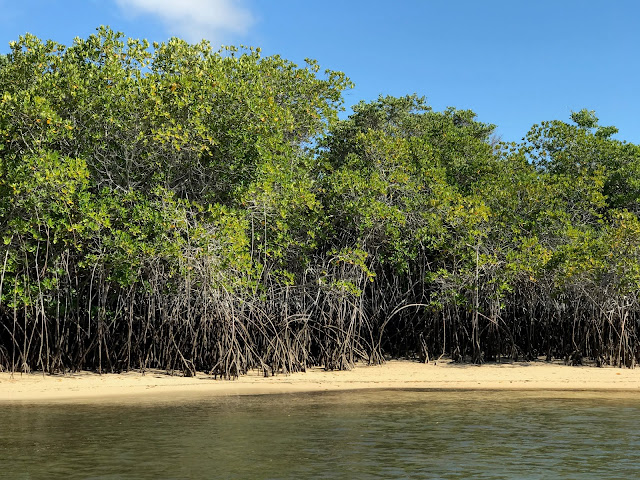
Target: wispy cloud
x,y
194,20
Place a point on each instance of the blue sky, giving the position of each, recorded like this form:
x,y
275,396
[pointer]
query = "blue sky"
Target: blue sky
x,y
514,63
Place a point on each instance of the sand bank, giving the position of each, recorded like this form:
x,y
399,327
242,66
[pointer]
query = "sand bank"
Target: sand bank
x,y
394,374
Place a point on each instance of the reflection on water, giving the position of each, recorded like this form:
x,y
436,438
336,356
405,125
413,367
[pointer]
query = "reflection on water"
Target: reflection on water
x,y
373,434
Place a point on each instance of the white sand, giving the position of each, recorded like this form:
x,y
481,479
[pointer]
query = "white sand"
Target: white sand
x,y
158,386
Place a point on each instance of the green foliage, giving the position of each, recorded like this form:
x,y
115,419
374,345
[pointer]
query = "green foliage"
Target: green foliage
x,y
585,118
178,116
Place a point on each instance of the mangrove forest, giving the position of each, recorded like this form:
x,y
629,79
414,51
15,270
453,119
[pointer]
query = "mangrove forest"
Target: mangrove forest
x,y
179,207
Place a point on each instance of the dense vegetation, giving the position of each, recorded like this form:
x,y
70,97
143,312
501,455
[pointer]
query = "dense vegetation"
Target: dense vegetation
x,y
177,207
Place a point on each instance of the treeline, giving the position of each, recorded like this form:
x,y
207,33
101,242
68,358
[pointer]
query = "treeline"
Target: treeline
x,y
171,206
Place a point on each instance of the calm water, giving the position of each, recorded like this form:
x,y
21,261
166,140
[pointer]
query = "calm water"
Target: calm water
x,y
375,434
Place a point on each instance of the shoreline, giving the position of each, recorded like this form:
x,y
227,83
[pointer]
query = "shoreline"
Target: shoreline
x,y
157,386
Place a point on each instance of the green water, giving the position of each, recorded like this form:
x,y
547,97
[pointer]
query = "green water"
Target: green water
x,y
374,434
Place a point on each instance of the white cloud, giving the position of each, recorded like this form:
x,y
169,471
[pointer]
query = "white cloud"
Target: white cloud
x,y
194,20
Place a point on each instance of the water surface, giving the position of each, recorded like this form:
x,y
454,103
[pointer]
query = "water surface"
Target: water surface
x,y
365,434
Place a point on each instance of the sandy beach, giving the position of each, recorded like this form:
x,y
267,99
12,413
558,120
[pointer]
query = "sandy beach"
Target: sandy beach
x,y
395,374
